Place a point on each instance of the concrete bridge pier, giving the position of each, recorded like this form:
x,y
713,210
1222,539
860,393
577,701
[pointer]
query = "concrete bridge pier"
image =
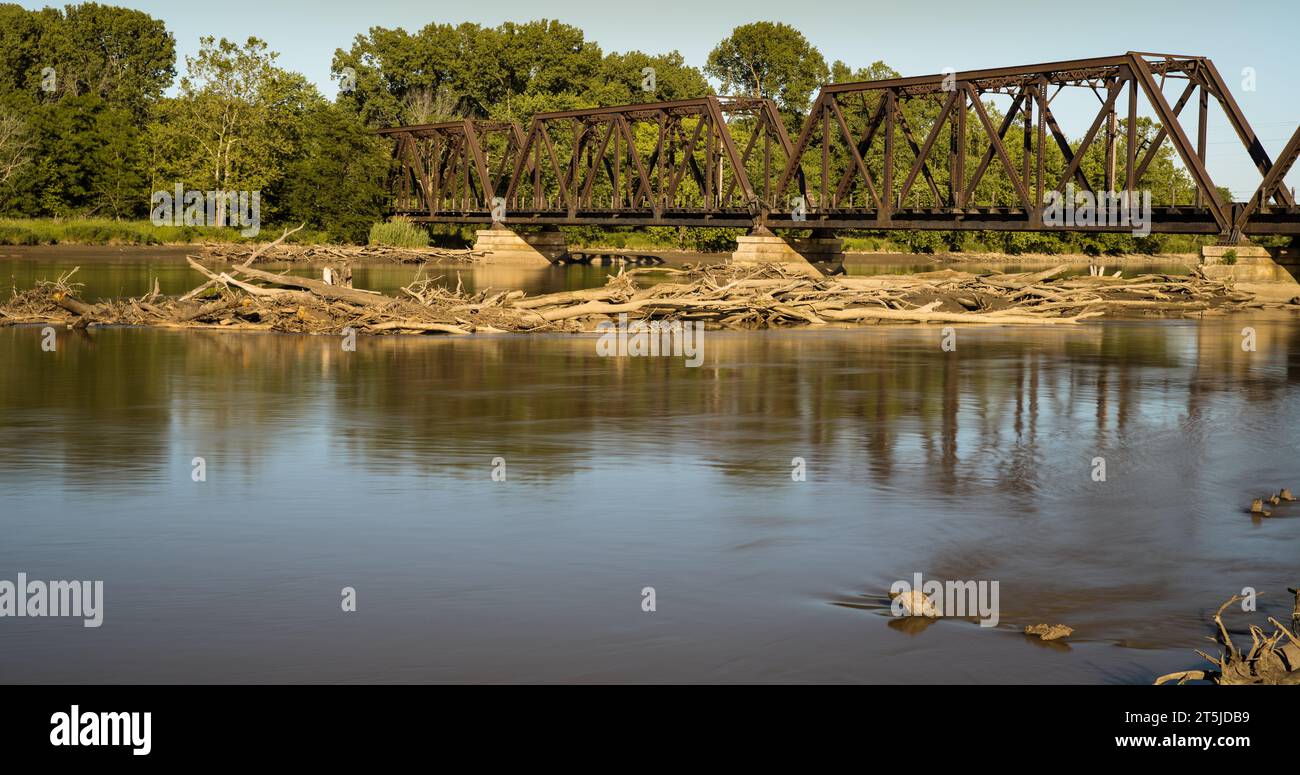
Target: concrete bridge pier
x,y
502,245
816,256
1270,273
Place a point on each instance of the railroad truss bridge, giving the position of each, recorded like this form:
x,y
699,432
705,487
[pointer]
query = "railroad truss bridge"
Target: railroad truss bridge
x,y
977,150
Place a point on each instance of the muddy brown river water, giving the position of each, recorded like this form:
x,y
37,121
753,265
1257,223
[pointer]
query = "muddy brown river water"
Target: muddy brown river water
x,y
373,470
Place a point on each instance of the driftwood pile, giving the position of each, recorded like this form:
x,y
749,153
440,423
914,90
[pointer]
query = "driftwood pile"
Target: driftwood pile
x,y
1273,658
239,296
340,253
279,251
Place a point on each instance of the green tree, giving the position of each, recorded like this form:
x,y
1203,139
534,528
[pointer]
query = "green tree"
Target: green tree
x,y
769,59
122,55
622,78
20,48
235,123
508,72
84,136
336,183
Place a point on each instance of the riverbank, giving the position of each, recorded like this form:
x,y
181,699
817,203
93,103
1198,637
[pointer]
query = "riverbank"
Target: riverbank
x,y
109,232
656,240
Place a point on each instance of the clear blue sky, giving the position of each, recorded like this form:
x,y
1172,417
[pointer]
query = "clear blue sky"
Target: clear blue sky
x,y
913,37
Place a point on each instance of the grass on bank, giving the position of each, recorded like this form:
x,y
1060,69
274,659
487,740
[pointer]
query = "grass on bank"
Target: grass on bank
x,y
105,231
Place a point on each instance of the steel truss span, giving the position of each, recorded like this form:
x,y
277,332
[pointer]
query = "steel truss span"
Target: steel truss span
x,y
977,150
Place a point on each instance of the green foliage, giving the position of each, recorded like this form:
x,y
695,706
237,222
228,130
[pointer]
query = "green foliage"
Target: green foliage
x,y
335,181
399,233
235,125
704,240
591,236
769,59
85,144
710,240
1229,257
511,71
922,241
1015,243
124,56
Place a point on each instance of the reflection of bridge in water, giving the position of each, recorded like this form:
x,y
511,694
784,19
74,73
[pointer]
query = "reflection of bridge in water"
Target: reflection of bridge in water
x,y
865,159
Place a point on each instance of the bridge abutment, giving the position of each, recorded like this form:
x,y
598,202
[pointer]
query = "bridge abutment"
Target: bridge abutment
x,y
816,256
1250,263
501,245
1269,273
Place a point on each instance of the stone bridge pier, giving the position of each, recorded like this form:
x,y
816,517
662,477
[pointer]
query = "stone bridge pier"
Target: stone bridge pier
x,y
816,256
1270,273
502,245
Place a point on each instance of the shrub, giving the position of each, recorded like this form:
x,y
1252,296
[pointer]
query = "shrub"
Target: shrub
x,y
707,240
922,241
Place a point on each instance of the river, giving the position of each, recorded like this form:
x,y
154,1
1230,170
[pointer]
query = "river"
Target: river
x,y
373,470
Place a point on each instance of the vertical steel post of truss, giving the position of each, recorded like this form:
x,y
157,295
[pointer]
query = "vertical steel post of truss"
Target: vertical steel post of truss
x,y
1027,138
1130,169
1112,135
767,164
1201,128
1040,91
823,203
959,152
887,186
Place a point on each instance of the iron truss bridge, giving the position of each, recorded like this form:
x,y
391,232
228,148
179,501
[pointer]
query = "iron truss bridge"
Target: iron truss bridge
x,y
936,152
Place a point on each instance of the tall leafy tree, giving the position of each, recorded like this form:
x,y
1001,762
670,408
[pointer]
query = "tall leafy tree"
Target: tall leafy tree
x,y
82,127
335,184
235,123
769,59
510,72
124,56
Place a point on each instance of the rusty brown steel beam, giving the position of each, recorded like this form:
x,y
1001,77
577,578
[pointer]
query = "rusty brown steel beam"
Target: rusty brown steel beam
x,y
687,107
1200,175
922,154
1021,191
1094,69
1164,132
724,168
1272,182
987,158
858,161
1091,135
445,127
1182,220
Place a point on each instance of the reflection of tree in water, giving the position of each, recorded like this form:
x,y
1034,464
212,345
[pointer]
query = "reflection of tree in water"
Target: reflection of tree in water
x,y
88,407
882,404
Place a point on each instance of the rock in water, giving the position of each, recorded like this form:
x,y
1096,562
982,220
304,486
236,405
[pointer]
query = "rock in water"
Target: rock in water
x,y
1049,631
915,603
